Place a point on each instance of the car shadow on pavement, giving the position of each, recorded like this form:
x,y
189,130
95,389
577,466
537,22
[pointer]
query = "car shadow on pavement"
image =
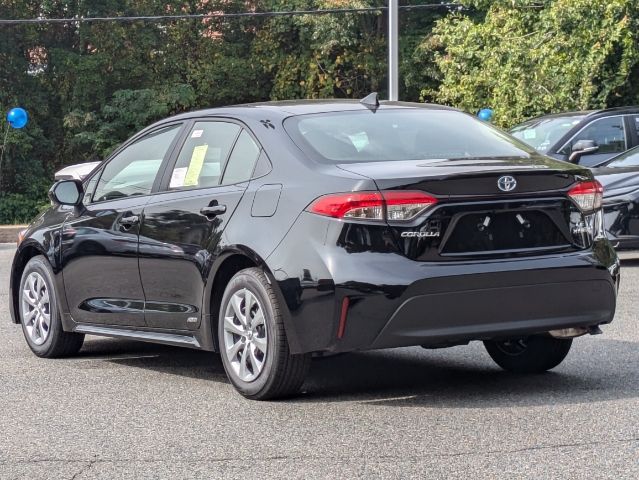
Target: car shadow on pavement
x,y
595,370
471,380
183,362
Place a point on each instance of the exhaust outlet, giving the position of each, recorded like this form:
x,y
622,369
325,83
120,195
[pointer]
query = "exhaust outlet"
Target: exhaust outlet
x,y
566,333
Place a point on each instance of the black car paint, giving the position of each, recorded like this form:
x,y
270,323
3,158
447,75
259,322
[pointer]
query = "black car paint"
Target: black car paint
x,y
632,135
315,261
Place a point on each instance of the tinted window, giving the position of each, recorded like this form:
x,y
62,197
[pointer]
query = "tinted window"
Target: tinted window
x,y
628,159
543,133
608,133
133,170
420,134
242,161
89,188
203,155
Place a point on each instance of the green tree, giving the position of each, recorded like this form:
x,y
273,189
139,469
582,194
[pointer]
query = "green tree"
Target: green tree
x,y
90,85
525,58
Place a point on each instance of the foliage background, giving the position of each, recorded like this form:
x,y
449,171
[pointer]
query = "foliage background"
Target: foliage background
x,y
89,86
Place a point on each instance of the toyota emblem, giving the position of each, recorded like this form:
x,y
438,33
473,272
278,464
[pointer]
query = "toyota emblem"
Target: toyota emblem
x,y
506,183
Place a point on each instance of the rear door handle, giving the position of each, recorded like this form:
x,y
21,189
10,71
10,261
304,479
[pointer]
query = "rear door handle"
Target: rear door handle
x,y
128,222
213,210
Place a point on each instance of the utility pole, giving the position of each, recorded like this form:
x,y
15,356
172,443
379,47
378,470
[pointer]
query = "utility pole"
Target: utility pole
x,y
393,50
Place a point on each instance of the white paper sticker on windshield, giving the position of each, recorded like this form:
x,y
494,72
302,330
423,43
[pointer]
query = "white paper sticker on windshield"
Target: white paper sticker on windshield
x,y
177,179
530,134
196,133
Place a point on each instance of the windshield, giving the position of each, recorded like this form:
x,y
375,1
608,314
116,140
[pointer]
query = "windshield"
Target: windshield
x,y
543,133
400,134
628,159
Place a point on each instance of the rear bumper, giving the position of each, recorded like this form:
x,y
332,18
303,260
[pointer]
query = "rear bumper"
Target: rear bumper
x,y
458,316
395,301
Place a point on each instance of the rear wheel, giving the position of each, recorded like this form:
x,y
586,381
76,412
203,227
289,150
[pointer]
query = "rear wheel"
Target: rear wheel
x,y
253,342
534,354
39,313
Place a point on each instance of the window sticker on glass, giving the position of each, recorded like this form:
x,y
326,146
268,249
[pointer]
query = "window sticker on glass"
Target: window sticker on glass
x,y
359,140
543,146
177,179
195,166
530,134
197,133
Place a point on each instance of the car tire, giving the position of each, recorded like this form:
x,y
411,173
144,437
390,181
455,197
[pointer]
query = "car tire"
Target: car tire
x,y
534,354
254,350
40,314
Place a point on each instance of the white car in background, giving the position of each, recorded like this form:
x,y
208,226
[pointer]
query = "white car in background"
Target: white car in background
x,y
77,172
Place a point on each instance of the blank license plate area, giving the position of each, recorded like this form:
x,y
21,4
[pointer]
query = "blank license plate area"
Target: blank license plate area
x,y
482,232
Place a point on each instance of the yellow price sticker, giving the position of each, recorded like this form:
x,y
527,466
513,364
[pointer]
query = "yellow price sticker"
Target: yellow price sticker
x,y
195,166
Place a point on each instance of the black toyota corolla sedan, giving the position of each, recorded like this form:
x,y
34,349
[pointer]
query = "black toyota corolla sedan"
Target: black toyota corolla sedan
x,y
272,232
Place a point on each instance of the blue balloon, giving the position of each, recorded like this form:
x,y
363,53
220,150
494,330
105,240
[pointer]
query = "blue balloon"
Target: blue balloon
x,y
486,114
17,117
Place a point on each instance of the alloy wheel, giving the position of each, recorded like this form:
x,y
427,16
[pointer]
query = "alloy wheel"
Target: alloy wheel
x,y
245,335
513,347
36,308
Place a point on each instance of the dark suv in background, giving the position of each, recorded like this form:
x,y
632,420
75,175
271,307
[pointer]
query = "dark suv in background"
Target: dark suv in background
x,y
587,138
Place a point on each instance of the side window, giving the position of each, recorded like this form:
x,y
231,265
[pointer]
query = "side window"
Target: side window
x,y
241,163
203,155
89,187
636,124
608,133
133,170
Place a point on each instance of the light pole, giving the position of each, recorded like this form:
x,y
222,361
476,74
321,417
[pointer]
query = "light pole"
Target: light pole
x,y
393,50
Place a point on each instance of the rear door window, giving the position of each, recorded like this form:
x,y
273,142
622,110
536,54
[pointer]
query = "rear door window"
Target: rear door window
x,y
242,161
203,155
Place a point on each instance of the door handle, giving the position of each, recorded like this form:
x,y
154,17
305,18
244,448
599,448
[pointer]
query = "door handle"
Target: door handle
x,y
128,222
213,210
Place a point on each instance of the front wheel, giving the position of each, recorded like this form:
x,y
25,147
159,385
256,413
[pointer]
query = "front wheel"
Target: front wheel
x,y
253,342
39,313
534,354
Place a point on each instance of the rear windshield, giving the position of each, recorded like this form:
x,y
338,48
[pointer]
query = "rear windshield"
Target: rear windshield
x,y
416,134
543,133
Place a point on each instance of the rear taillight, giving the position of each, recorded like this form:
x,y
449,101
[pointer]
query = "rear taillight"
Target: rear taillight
x,y
406,205
360,205
394,205
587,195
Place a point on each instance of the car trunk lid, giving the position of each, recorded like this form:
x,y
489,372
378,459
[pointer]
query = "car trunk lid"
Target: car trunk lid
x,y
474,217
469,177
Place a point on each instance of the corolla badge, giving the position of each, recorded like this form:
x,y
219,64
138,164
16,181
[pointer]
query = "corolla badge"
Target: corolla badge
x,y
506,183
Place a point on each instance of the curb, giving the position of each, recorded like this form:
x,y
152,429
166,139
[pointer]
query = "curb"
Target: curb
x,y
9,233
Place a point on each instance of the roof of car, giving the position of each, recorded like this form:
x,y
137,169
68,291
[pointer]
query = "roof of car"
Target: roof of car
x,y
288,108
588,113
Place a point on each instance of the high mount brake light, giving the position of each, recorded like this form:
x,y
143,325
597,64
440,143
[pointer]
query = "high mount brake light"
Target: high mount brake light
x,y
394,205
587,195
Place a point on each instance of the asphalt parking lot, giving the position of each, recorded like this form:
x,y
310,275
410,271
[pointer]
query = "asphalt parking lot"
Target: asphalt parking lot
x,y
130,410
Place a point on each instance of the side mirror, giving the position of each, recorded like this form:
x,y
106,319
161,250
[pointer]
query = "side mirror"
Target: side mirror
x,y
582,147
67,192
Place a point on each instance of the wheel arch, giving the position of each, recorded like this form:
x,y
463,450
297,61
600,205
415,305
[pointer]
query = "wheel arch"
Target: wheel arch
x,y
227,264
23,255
